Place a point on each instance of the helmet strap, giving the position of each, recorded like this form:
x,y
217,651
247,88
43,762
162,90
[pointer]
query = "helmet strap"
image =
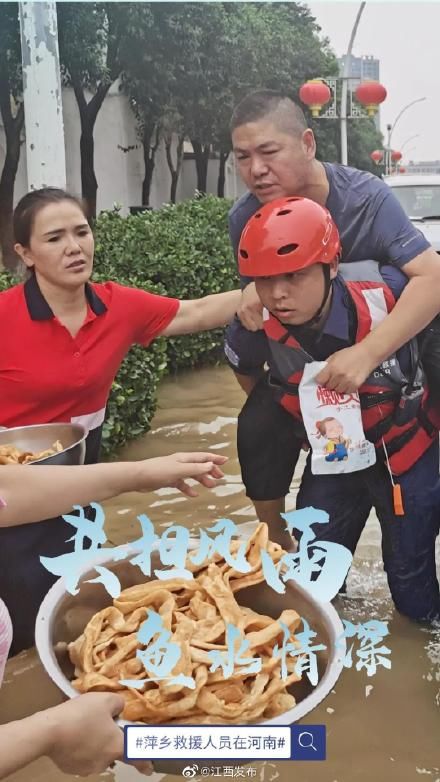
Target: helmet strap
x,y
327,288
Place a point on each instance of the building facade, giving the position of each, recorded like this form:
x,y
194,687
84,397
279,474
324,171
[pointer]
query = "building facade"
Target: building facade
x,y
363,68
423,167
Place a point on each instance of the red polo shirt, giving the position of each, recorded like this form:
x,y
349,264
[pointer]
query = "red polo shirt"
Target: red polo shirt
x,y
47,375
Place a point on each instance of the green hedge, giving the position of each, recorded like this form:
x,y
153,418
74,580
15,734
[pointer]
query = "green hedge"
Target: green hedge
x,y
182,251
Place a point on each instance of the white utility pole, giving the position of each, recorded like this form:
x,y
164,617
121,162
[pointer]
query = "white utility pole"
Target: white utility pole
x,y
345,77
46,162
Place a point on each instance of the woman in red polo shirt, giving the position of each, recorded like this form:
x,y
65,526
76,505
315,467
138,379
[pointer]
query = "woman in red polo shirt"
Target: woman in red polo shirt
x,y
63,340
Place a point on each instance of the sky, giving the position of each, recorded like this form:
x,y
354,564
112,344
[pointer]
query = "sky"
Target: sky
x,y
404,36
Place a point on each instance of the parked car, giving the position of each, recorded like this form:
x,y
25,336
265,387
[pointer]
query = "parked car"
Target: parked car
x,y
420,197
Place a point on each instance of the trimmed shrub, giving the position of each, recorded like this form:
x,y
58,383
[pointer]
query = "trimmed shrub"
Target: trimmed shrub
x,y
183,249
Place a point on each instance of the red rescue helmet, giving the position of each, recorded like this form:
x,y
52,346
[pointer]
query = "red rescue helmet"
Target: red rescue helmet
x,y
287,235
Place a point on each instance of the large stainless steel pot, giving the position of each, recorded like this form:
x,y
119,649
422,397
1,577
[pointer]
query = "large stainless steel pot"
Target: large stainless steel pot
x,y
63,616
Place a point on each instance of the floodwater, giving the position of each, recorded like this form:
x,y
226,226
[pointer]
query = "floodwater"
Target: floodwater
x,y
383,728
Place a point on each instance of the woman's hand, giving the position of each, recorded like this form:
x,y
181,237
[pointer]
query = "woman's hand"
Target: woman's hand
x,y
173,471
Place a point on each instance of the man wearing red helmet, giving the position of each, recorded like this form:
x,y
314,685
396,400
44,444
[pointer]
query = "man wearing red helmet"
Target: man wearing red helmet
x,y
291,248
275,156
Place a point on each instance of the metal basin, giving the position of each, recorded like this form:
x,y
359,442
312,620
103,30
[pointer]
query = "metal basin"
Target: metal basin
x,y
42,436
62,618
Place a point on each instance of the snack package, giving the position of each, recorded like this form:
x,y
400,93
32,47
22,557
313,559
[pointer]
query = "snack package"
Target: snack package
x,y
334,427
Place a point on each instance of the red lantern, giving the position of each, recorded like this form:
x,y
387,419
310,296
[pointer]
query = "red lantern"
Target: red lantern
x,y
377,156
370,94
402,170
315,94
396,156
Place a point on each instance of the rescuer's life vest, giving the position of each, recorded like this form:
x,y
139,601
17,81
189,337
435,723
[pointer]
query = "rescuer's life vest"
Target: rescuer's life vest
x,y
394,407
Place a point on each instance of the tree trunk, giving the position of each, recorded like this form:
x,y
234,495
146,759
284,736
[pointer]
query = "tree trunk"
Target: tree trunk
x,y
88,113
7,182
201,152
13,127
149,160
222,174
175,171
89,185
174,182
179,159
148,178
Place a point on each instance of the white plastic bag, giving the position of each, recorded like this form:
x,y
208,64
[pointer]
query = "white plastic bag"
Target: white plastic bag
x,y
334,427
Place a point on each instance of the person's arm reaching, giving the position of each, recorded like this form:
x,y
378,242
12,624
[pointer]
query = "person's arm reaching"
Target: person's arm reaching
x,y
394,240
418,304
54,490
79,736
210,312
246,328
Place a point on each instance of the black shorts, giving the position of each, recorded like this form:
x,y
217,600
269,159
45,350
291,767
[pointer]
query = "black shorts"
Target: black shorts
x,y
269,442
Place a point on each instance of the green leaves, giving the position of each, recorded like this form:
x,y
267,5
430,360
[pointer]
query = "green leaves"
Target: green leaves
x,y
181,251
91,36
186,65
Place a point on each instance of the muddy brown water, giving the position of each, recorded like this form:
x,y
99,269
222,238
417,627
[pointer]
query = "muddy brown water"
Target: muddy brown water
x,y
385,727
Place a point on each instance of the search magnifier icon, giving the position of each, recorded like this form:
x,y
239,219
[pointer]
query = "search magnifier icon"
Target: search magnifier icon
x,y
305,740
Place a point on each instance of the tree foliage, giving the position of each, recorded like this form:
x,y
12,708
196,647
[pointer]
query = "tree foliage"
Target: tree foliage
x,y
90,39
173,66
183,66
144,79
192,62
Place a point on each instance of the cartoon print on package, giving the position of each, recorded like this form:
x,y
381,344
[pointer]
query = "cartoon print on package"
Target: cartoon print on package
x,y
333,423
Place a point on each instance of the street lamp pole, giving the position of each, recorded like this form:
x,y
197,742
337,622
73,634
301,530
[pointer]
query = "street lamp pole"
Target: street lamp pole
x,y
390,129
388,151
345,77
45,156
411,149
407,140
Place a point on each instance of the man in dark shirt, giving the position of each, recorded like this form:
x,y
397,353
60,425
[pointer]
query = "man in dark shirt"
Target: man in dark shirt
x,y
275,155
311,312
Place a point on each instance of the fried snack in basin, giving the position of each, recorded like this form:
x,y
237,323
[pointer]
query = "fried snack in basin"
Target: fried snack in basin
x,y
196,613
9,454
